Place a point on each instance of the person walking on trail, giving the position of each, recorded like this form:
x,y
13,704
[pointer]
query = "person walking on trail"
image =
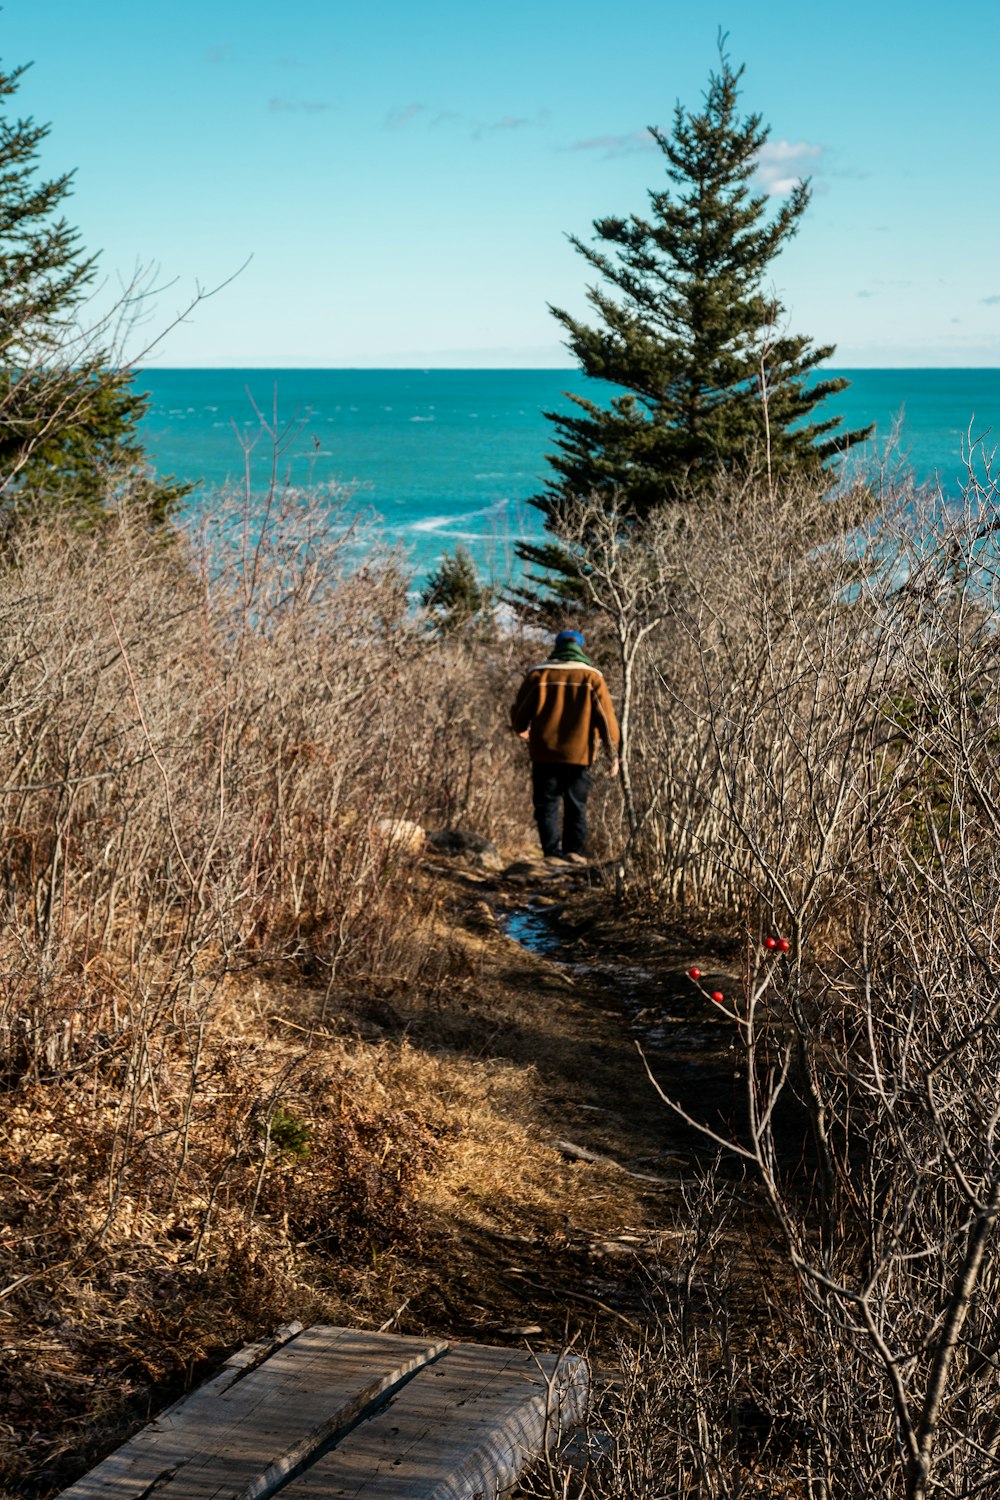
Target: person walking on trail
x,y
562,709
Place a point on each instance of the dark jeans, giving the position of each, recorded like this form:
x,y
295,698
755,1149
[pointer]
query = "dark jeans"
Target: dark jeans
x,y
570,787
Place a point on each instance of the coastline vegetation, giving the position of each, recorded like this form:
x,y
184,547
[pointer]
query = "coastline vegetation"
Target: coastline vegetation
x,y
218,761
212,754
815,716
709,382
207,791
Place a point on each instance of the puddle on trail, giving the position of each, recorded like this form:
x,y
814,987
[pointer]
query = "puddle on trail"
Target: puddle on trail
x,y
536,928
532,927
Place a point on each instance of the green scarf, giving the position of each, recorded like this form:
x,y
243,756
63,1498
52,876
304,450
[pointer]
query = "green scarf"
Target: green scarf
x,y
571,652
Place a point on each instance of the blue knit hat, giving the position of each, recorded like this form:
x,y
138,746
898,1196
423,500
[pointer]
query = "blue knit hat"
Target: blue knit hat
x,y
569,638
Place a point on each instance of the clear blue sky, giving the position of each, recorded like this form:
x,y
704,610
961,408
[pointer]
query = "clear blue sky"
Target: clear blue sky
x,y
404,174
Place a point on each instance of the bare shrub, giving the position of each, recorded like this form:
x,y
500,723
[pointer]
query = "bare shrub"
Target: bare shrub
x,y
817,721
204,734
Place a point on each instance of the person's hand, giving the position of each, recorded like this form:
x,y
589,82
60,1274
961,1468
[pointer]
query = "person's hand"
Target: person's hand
x,y
523,734
614,767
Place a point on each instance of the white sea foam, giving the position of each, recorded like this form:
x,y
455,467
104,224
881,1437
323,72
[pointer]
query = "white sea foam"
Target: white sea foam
x,y
451,525
432,523
421,419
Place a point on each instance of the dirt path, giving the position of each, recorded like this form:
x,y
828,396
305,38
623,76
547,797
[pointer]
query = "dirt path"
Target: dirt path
x,y
549,1203
563,991
539,1185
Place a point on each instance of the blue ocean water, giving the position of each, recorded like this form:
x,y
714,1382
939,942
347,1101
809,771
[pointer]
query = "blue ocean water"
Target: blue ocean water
x,y
448,456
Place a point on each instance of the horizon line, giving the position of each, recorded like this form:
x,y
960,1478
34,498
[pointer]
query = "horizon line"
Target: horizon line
x,y
417,369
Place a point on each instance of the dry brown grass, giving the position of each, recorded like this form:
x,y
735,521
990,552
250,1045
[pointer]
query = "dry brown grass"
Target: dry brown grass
x,y
202,741
317,1161
253,1068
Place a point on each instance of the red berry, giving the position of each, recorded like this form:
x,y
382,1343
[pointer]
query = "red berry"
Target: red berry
x,y
694,973
718,996
771,943
784,944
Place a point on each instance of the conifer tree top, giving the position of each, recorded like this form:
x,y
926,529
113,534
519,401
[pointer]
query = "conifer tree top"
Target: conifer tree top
x,y
45,271
709,380
69,438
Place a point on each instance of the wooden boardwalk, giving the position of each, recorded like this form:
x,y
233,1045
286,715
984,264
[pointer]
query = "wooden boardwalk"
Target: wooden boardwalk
x,y
336,1412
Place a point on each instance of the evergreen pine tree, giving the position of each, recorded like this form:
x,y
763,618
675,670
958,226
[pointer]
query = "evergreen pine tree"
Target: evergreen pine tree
x,y
712,382
68,417
454,597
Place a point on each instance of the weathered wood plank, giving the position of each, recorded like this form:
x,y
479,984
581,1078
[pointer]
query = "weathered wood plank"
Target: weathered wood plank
x,y
234,1368
242,1440
157,1445
252,1355
463,1427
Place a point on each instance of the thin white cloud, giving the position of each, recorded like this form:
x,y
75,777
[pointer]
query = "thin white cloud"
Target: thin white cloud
x,y
402,115
282,105
508,123
781,165
616,145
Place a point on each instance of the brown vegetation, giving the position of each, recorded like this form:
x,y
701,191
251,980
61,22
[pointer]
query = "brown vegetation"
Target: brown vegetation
x,y
814,692
254,1069
206,741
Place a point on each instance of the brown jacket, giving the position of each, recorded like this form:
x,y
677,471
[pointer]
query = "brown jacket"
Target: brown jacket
x,y
565,705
